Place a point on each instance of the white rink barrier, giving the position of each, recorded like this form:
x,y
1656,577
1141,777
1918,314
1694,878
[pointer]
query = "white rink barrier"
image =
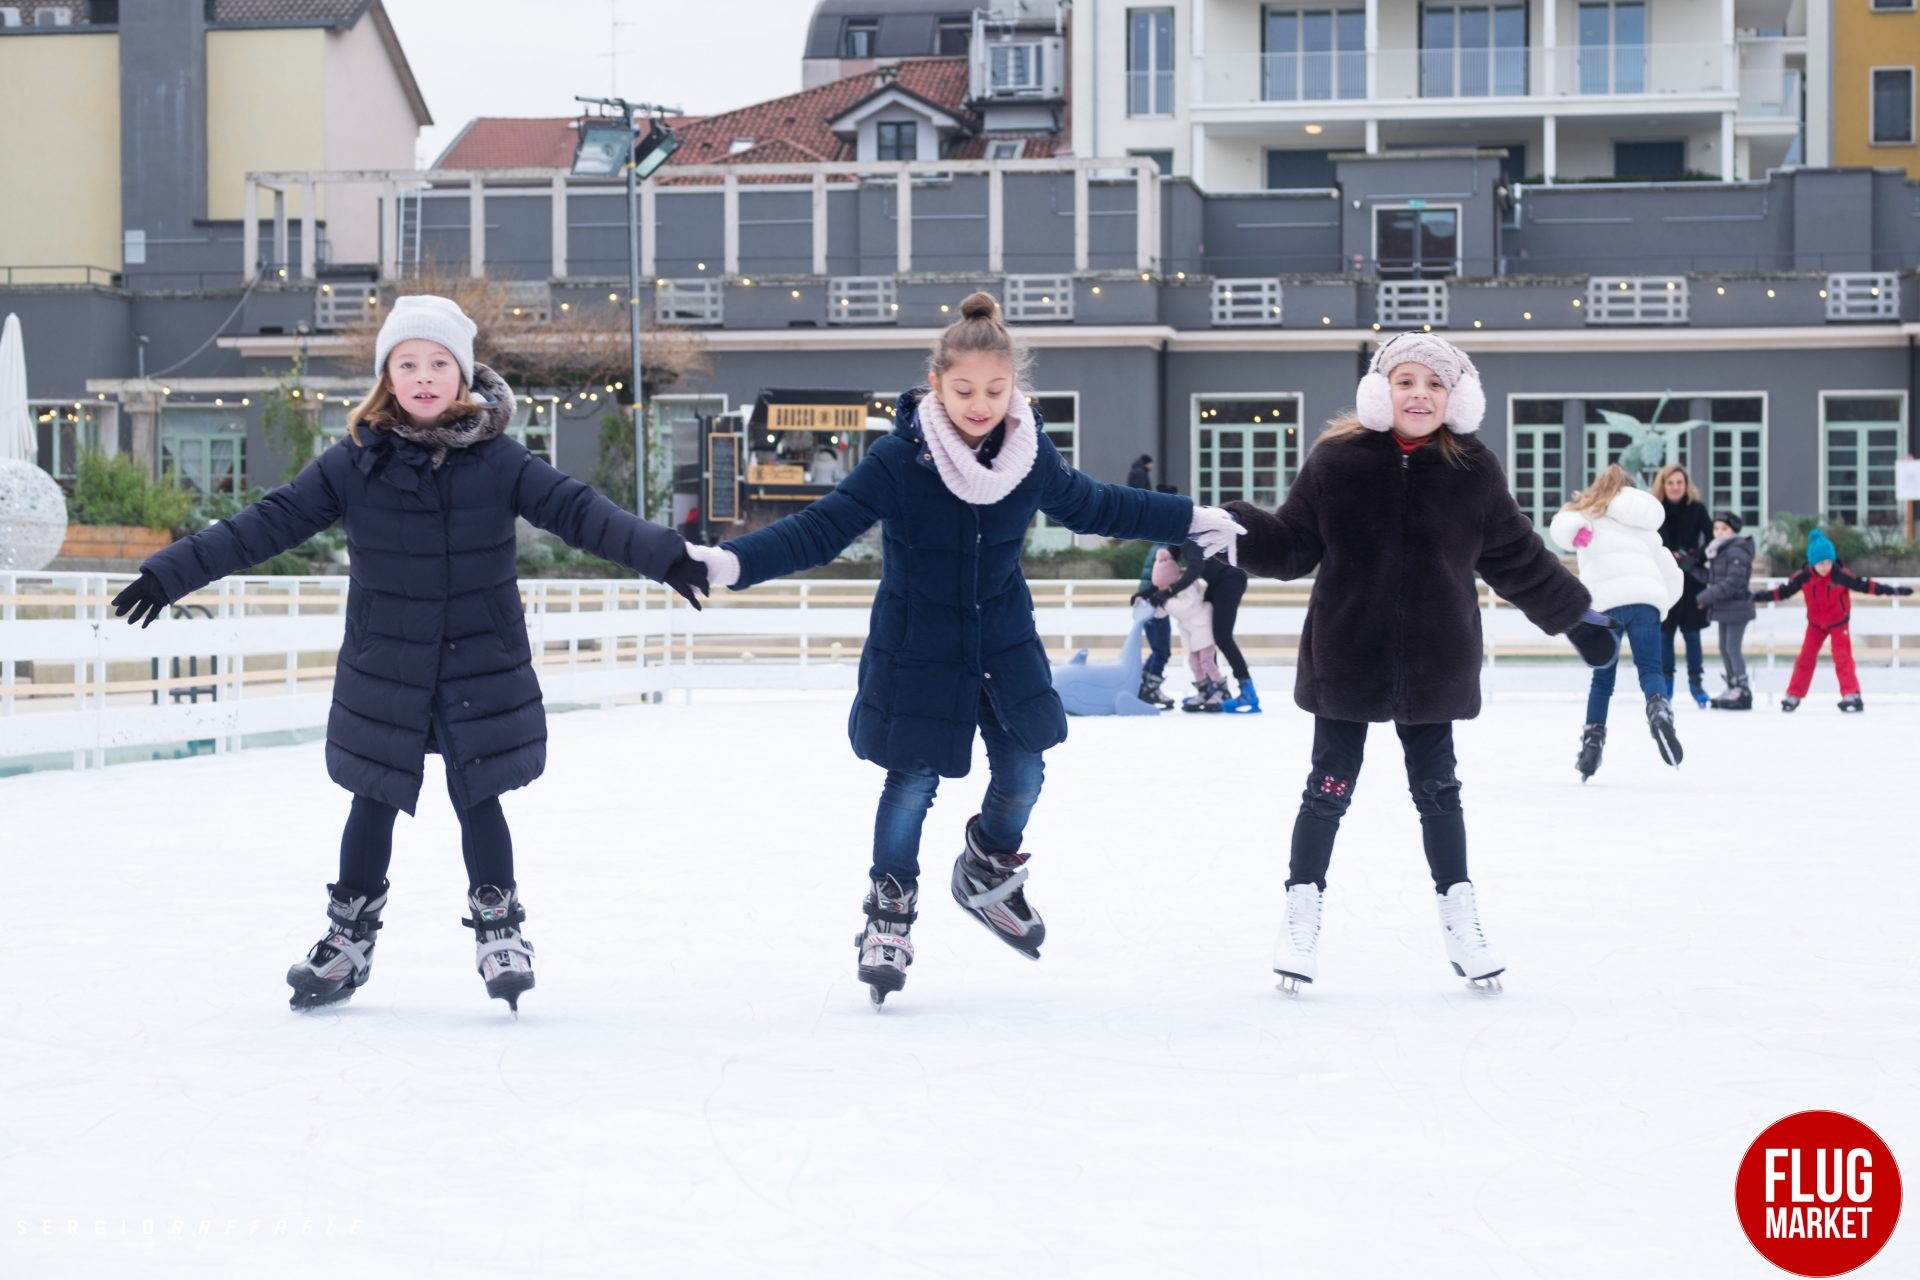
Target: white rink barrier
x,y
254,655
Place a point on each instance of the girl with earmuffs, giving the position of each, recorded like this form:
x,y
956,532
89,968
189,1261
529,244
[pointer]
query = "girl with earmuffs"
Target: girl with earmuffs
x,y
1397,507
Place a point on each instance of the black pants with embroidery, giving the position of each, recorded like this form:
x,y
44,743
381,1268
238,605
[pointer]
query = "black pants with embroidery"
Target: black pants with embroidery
x,y
1338,748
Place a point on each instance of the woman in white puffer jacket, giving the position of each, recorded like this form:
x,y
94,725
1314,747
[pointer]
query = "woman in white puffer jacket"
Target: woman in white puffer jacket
x,y
1614,530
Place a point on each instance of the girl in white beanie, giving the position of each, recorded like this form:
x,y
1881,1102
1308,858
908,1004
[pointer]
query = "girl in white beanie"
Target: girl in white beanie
x,y
436,657
1397,508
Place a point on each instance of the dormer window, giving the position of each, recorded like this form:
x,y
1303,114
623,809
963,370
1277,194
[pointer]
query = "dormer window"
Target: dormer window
x,y
1014,68
1004,150
897,140
857,40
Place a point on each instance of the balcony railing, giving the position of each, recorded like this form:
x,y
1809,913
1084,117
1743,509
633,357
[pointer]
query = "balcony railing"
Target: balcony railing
x,y
1637,300
1253,301
1863,295
1561,71
1771,92
1404,304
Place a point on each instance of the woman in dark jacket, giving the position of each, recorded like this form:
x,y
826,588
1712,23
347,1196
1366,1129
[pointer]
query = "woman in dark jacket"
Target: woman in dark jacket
x,y
1686,532
1398,507
952,649
436,656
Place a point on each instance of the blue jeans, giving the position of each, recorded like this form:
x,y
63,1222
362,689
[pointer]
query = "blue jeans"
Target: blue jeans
x,y
1642,622
1159,633
1696,658
1013,785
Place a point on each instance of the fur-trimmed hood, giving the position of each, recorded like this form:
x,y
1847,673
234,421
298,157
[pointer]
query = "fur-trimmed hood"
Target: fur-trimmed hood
x,y
495,398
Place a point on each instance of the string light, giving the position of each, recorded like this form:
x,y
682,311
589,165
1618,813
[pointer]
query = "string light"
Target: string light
x,y
1526,315
1769,293
796,293
1096,289
1326,319
1476,324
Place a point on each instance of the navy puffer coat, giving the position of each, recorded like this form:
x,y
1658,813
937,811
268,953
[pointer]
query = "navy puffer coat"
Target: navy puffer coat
x,y
952,616
436,656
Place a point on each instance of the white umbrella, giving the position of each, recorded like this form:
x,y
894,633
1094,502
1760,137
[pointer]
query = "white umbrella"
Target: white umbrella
x,y
17,438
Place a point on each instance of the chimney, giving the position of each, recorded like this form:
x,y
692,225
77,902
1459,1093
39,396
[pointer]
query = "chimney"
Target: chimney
x,y
885,75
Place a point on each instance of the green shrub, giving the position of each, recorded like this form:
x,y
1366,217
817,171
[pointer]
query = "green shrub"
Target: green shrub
x,y
1882,549
117,491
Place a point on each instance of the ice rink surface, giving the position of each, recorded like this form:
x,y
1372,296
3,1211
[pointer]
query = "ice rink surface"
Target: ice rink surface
x,y
698,1087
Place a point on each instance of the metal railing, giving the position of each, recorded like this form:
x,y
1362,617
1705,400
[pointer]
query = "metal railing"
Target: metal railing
x,y
1637,300
1863,295
1247,302
1031,299
76,685
1404,304
58,273
694,301
338,306
862,300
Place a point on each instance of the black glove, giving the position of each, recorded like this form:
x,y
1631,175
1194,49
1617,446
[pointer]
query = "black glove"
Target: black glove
x,y
1762,597
1596,639
144,597
1137,597
1158,597
689,577
1899,591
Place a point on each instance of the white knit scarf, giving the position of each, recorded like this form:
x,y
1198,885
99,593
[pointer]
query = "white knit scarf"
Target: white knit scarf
x,y
961,469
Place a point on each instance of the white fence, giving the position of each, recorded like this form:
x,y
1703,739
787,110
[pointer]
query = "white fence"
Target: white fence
x,y
255,655
1637,300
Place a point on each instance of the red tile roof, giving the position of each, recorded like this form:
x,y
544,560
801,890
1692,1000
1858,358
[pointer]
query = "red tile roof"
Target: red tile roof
x,y
494,142
801,118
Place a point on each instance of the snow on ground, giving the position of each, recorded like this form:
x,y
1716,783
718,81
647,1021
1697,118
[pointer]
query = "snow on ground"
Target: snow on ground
x,y
698,1088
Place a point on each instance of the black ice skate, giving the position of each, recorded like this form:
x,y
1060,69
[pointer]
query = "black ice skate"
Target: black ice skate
x,y
1852,702
1593,740
503,958
1151,693
885,947
1208,695
1789,703
1660,725
1738,697
988,885
338,965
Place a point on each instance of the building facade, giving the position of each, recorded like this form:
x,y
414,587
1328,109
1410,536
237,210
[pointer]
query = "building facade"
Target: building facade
x,y
1876,56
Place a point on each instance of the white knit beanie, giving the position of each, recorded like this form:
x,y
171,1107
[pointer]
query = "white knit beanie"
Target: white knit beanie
x,y
422,315
1466,398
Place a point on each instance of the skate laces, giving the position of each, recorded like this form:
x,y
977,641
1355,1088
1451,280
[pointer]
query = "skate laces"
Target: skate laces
x,y
1303,919
1463,919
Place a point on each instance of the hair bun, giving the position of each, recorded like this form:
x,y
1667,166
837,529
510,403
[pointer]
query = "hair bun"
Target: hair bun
x,y
979,306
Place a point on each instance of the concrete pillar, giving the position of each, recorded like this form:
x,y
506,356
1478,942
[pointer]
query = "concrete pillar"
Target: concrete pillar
x,y
1146,203
1550,55
903,223
309,231
142,411
996,222
250,233
730,225
476,227
1082,223
558,222
1373,50
1726,146
1373,137
820,224
649,228
280,249
1549,146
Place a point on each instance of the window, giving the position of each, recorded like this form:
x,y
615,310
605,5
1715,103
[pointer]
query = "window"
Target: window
x,y
205,447
954,37
1246,447
1892,106
1537,446
332,426
1613,46
1650,161
1013,68
897,140
1149,62
1737,457
1299,170
1861,440
857,41
1314,54
1061,412
1878,6
1416,244
1005,150
1473,50
1162,159
63,432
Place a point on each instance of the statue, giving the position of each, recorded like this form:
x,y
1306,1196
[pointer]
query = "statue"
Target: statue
x,y
1106,688
1655,443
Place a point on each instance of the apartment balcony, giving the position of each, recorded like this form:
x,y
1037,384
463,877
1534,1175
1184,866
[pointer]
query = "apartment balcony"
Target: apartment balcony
x,y
1483,83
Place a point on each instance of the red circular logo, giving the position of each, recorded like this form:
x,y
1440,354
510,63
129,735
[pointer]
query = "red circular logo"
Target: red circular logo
x,y
1818,1193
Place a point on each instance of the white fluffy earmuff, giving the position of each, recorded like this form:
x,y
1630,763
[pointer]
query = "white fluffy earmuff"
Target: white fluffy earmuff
x,y
1466,397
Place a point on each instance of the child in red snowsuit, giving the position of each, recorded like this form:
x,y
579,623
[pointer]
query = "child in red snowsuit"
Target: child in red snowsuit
x,y
1829,589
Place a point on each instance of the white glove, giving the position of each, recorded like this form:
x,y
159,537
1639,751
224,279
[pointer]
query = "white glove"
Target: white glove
x,y
723,567
1216,531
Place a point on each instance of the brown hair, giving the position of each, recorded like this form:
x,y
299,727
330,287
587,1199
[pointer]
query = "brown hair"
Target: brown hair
x,y
1594,499
1660,482
980,330
1348,426
381,410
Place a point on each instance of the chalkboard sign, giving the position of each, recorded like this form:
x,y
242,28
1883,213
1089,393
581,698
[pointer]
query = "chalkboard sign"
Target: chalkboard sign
x,y
723,477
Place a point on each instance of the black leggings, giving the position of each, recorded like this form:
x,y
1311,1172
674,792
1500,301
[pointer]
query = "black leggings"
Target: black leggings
x,y
1225,595
1338,747
366,845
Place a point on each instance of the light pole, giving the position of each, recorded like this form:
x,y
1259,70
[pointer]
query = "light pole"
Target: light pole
x,y
604,144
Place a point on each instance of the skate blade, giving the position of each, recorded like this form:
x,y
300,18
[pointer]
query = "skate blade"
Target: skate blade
x,y
1486,983
1290,983
309,994
510,987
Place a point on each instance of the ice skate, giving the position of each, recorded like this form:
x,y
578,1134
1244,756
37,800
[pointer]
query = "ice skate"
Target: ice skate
x,y
1696,685
1296,956
1593,741
885,948
1151,694
1467,948
1852,702
1244,703
988,885
1208,695
1660,725
1738,697
338,965
1789,703
503,957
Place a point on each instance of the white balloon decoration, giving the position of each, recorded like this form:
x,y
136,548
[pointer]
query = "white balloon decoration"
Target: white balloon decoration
x,y
33,516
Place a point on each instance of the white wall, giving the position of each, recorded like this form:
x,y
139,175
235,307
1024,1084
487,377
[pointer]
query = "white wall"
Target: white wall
x,y
1101,125
1586,149
370,124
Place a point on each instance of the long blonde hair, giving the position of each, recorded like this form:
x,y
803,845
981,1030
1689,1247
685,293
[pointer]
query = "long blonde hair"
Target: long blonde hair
x,y
1660,482
1598,496
381,410
1348,425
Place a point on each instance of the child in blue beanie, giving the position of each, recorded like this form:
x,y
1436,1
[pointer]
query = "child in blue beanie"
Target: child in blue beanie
x,y
1829,589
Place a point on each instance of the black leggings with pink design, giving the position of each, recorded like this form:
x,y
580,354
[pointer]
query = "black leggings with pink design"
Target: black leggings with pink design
x,y
1338,749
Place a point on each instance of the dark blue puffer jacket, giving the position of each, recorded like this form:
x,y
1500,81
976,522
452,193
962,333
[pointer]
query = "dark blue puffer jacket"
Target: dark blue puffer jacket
x,y
952,614
436,654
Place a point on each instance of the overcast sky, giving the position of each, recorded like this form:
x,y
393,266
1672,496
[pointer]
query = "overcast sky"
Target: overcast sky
x,y
529,57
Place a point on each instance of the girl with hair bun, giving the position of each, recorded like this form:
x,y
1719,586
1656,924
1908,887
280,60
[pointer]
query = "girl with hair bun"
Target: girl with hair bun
x,y
951,649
